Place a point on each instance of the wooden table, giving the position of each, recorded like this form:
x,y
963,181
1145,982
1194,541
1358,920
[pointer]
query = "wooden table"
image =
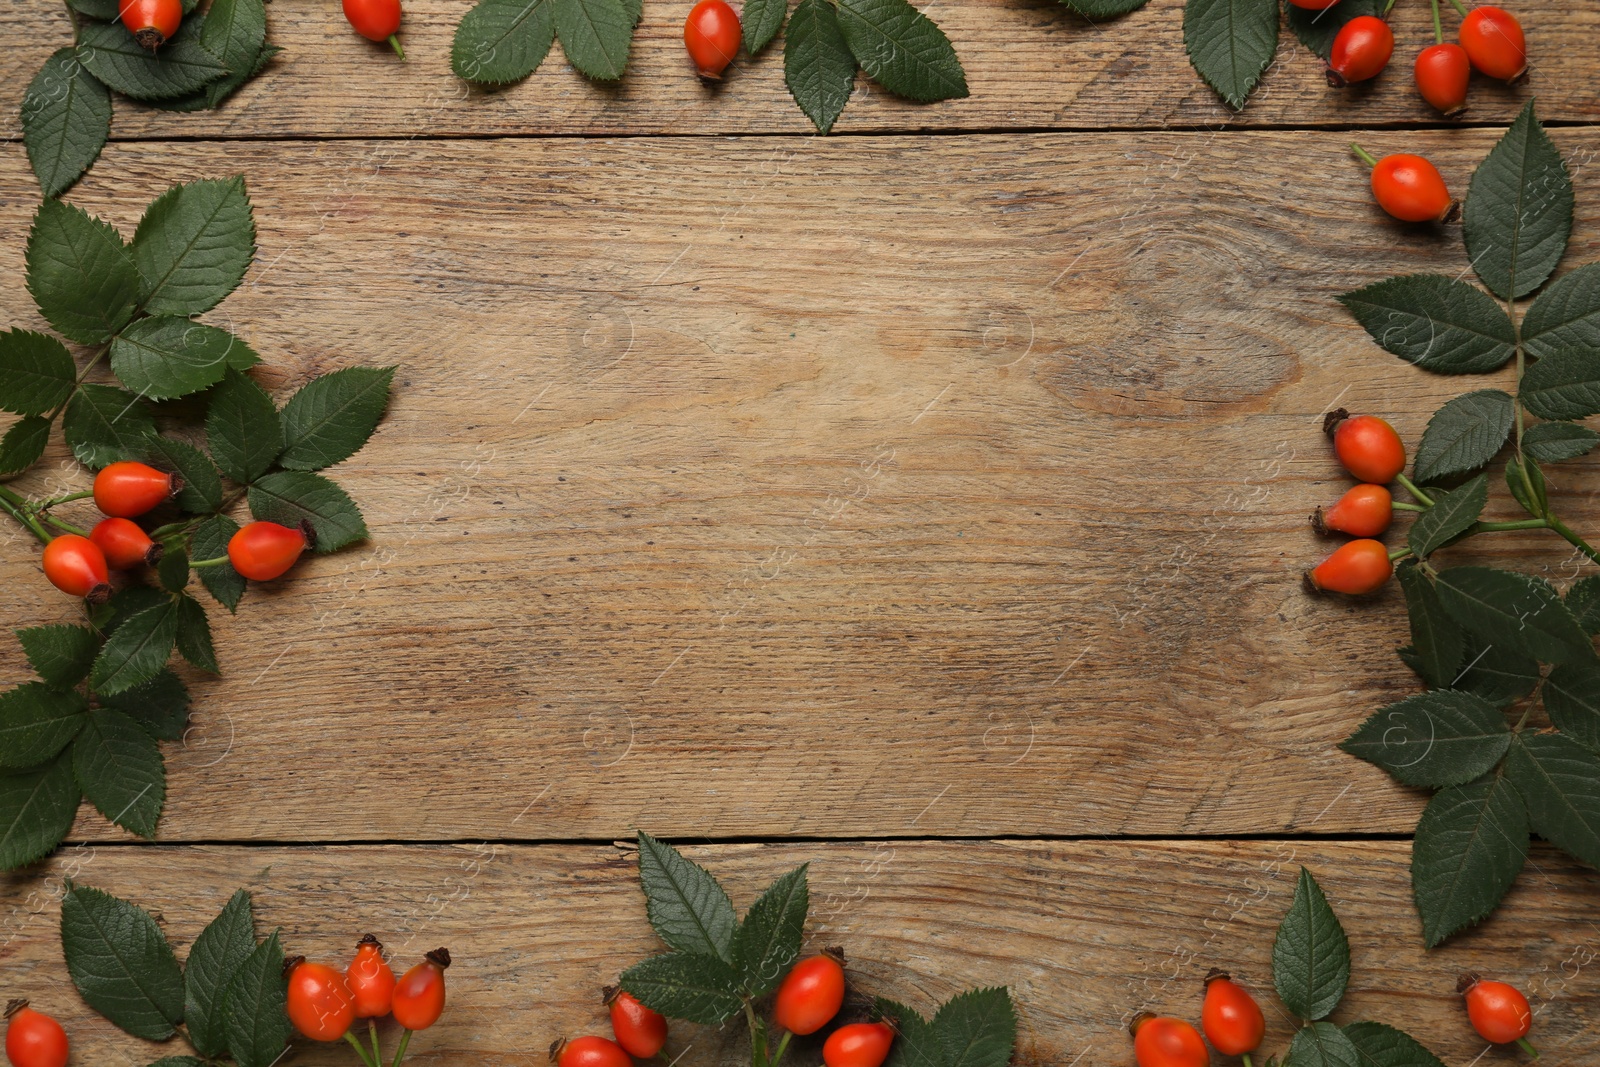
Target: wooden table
x,y
926,502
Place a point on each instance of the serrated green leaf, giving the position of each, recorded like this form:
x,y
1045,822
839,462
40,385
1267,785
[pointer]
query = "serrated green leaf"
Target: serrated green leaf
x,y
173,571
137,650
1526,482
36,811
254,1007
1310,957
235,32
1439,323
1566,315
36,372
1433,739
915,1043
503,41
1471,842
1518,212
218,953
104,10
292,497
1453,513
36,723
1583,600
1104,9
61,654
1323,1045
1552,442
121,963
1559,781
331,417
194,635
1317,29
80,274
168,356
818,67
686,985
761,20
1563,385
193,246
977,1028
595,35
210,541
104,425
24,443
243,428
1572,697
66,118
178,1061
686,907
768,940
1436,641
127,602
1384,1046
179,66
902,49
160,706
119,769
1514,610
202,488
1464,434
1230,43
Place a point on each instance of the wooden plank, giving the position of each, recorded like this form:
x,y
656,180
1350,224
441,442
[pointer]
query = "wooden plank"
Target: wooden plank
x,y
1085,934
1030,64
891,488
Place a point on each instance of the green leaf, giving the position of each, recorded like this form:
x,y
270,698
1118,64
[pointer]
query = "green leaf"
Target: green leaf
x,y
36,811
1317,29
1438,323
218,953
902,49
23,444
1323,1045
768,940
1436,641
210,541
915,1043
61,654
121,963
66,118
234,32
1563,385
119,769
292,497
202,488
977,1028
1559,781
243,428
36,372
1471,842
1583,600
127,602
1518,213
1552,442
180,66
1311,957
194,635
137,650
104,425
173,571
1433,739
503,41
1230,43
255,1007
1464,434
1514,610
686,906
178,1061
160,706
104,10
80,274
331,417
1572,697
1104,9
1384,1046
1453,513
686,985
167,356
596,35
1526,482
818,66
1566,315
36,722
761,20
193,246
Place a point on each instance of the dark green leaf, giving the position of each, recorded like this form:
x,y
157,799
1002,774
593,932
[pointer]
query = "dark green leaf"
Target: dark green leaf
x,y
235,32
243,428
818,67
1552,442
36,811
1436,641
915,1043
255,1007
1518,212
80,274
194,635
502,41
768,940
1514,610
1230,43
291,497
168,356
1453,513
127,602
202,489
331,417
36,722
1104,9
210,541
1323,1045
1438,323
1317,29
1471,841
137,650
160,706
686,985
66,118
1526,482
24,443
1583,600
1384,1046
977,1028
902,49
178,1061
119,769
1566,315
1559,781
218,953
104,10
1464,434
180,66
193,246
1563,385
61,654
104,425
686,906
761,20
595,35
121,963
173,571
1572,697
1433,739
1311,957
36,372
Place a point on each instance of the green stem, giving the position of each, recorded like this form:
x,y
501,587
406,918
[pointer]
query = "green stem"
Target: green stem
x,y
46,505
1573,539
1462,8
758,1037
64,526
1399,505
377,1051
356,1044
1246,1056
1387,7
84,373
1519,524
1363,155
1438,28
783,1046
1528,1047
219,561
394,42
400,1053
1405,483
15,506
1399,554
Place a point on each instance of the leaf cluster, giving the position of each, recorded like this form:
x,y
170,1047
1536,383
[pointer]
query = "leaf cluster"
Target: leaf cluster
x,y
1231,42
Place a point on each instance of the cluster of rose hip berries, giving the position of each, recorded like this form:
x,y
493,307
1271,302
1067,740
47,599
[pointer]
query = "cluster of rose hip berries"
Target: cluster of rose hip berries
x,y
81,564
324,1002
810,995
153,22
1372,452
1234,1025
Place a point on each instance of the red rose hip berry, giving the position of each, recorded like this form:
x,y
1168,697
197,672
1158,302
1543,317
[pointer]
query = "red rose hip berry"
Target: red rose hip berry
x,y
1493,39
1357,567
124,543
76,566
711,33
858,1045
1231,1017
128,490
419,995
33,1039
639,1030
321,1005
1442,73
1499,1012
152,22
1164,1042
376,20
371,979
1364,511
811,994
589,1052
262,551
1360,51
1366,445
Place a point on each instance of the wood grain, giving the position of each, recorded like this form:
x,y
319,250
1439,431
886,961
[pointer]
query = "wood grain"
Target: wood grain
x,y
1030,64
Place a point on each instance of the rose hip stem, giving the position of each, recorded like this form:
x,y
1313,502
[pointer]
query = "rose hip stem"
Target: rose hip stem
x,y
1438,28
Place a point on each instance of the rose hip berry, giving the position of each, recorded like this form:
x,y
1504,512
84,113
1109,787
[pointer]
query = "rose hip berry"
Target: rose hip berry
x,y
1231,1017
1360,51
1442,73
152,22
1499,1012
1366,445
33,1039
1409,187
76,566
321,1005
376,20
1357,567
1364,511
711,33
1163,1042
811,994
858,1045
639,1030
1493,39
128,490
419,995
262,551
371,979
124,543
589,1052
